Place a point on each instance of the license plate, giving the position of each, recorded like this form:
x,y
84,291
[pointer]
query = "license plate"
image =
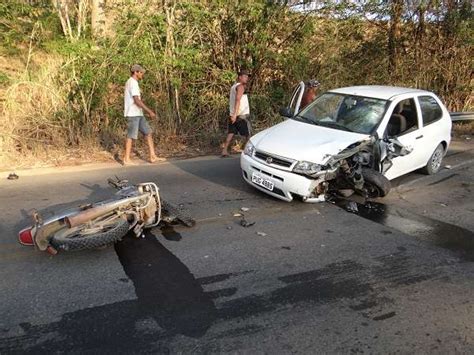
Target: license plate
x,y
257,179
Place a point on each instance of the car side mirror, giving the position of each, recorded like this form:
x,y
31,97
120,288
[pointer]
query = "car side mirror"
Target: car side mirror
x,y
286,112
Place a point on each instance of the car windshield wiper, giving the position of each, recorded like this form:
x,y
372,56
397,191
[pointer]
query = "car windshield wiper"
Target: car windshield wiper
x,y
335,125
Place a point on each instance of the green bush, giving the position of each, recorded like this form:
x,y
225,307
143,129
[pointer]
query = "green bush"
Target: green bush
x,y
191,51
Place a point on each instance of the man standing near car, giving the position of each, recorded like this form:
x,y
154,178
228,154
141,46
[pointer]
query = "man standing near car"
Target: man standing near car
x,y
239,111
133,111
310,93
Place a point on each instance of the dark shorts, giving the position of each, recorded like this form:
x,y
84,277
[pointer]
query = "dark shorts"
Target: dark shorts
x,y
135,124
241,126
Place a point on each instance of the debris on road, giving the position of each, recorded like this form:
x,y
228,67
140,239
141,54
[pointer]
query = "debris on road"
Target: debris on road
x,y
244,209
245,223
229,227
261,234
449,167
12,176
352,207
238,215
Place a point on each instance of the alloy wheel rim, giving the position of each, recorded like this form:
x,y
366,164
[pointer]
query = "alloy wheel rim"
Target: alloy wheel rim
x,y
436,162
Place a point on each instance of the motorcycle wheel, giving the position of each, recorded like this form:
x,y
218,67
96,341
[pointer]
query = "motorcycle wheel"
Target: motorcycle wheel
x,y
376,184
170,214
86,236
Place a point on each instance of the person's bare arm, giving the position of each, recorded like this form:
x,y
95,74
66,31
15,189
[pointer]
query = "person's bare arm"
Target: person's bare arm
x,y
240,91
140,104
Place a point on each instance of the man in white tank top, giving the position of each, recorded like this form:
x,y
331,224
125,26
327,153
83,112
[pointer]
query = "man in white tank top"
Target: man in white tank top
x,y
239,111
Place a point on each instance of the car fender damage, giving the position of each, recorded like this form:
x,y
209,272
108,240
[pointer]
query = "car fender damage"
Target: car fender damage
x,y
359,168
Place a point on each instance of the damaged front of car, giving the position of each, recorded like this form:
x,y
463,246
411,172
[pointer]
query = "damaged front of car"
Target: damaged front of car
x,y
294,160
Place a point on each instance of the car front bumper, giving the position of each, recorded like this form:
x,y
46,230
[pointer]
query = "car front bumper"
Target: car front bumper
x,y
286,183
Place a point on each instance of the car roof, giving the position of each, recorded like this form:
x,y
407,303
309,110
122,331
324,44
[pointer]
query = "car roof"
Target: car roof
x,y
378,91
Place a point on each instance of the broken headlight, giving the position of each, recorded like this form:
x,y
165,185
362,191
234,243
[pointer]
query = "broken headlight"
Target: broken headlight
x,y
307,168
249,149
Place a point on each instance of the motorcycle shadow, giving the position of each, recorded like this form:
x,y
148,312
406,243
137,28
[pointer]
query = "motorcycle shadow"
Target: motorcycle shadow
x,y
167,293
166,289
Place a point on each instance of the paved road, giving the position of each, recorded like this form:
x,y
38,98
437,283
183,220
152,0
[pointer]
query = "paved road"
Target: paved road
x,y
391,277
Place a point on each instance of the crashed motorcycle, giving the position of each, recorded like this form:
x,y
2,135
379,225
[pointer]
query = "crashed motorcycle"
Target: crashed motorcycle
x,y
134,208
358,169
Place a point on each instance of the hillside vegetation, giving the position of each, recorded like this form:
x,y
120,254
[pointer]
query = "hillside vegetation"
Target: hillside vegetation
x,y
63,64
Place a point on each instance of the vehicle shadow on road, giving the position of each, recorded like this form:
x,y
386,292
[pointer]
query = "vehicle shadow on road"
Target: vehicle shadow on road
x,y
166,289
225,172
169,296
170,301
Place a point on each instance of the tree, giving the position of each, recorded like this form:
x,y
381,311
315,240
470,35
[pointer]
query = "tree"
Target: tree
x,y
98,18
73,17
396,11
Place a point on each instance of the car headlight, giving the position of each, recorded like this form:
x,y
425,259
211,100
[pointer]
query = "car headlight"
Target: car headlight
x,y
249,149
307,168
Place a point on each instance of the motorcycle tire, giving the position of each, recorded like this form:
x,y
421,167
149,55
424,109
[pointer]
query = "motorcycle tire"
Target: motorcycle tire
x,y
72,239
170,213
376,184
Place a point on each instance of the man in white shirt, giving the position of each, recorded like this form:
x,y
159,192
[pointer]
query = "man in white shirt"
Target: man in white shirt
x,y
133,111
239,111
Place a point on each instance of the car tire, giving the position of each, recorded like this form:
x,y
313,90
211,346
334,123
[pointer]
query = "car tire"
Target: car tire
x,y
434,163
376,184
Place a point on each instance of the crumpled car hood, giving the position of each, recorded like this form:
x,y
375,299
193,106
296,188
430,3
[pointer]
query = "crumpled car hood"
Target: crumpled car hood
x,y
302,141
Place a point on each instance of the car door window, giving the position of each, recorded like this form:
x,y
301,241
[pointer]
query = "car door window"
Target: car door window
x,y
430,110
404,119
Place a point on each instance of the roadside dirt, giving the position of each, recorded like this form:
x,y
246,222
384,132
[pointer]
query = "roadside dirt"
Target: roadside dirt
x,y
96,155
170,149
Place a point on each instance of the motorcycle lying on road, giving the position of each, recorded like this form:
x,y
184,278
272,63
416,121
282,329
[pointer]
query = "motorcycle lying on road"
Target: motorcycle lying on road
x,y
133,208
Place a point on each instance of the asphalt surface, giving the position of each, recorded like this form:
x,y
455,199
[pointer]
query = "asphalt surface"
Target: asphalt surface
x,y
394,276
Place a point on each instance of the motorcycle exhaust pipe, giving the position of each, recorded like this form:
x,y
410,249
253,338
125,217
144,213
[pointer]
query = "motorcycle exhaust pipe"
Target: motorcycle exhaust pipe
x,y
94,212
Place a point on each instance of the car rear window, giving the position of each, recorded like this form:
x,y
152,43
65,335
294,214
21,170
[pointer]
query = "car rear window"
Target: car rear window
x,y
430,110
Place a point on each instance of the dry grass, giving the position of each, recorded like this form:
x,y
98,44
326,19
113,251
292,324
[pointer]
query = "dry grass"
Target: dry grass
x,y
28,106
463,129
38,127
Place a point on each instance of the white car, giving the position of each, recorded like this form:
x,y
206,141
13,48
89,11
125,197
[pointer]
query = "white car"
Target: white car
x,y
358,137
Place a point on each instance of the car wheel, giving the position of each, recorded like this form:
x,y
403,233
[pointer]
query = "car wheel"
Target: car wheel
x,y
375,183
434,163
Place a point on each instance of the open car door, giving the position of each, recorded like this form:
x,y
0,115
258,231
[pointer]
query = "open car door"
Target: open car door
x,y
295,102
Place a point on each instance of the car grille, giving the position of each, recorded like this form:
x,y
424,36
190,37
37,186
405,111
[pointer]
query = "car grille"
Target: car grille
x,y
274,160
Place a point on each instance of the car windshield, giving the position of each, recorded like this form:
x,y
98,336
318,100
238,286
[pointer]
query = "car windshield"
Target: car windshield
x,y
345,112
